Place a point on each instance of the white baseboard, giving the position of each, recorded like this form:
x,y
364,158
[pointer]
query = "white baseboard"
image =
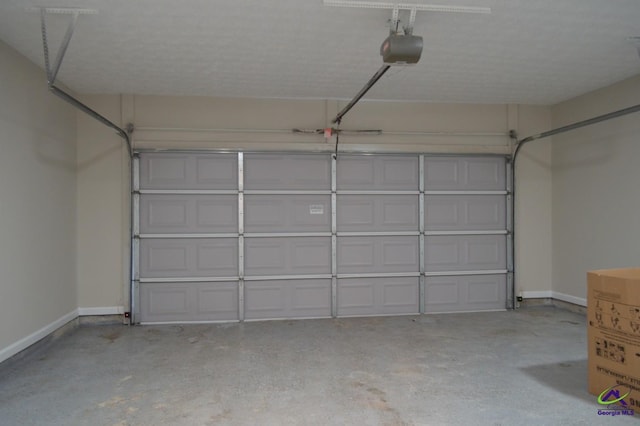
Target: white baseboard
x,y
548,294
25,342
101,310
571,299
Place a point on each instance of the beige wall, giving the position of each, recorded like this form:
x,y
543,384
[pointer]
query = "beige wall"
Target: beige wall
x,y
37,205
199,122
596,203
102,264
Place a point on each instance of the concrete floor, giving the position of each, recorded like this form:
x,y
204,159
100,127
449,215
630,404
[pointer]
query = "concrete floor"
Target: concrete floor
x,y
526,367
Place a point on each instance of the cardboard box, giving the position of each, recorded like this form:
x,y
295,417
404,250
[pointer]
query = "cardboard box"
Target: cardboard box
x,y
613,329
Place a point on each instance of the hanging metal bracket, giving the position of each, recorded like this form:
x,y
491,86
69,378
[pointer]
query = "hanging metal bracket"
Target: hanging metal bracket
x,y
52,71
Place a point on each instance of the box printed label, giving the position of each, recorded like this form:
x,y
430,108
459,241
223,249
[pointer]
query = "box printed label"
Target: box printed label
x,y
612,351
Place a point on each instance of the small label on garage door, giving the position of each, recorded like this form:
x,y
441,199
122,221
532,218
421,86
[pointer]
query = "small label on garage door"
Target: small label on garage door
x,y
316,209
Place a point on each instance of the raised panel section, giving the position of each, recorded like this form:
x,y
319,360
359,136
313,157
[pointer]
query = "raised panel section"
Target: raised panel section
x,y
377,296
179,301
188,171
181,257
287,213
287,256
378,172
184,214
287,172
309,298
465,293
378,254
465,212
465,252
378,213
464,173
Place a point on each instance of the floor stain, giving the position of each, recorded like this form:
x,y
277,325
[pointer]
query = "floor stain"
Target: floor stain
x,y
111,337
408,370
341,324
227,325
376,399
116,400
225,415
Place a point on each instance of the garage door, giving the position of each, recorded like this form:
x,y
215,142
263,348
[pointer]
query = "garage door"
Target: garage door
x,y
466,238
253,236
378,229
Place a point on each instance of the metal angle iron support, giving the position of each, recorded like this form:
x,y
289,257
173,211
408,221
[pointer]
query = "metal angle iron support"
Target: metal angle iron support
x,y
422,280
134,247
511,301
406,6
334,237
412,19
52,73
241,265
395,12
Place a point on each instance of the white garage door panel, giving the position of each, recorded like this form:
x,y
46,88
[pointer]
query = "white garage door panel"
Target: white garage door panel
x,y
310,298
465,293
287,256
188,213
188,171
180,257
378,213
377,296
287,213
464,173
357,172
378,254
287,172
465,212
203,301
465,252
301,235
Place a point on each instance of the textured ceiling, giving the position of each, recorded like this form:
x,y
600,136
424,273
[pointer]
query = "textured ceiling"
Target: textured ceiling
x,y
525,51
